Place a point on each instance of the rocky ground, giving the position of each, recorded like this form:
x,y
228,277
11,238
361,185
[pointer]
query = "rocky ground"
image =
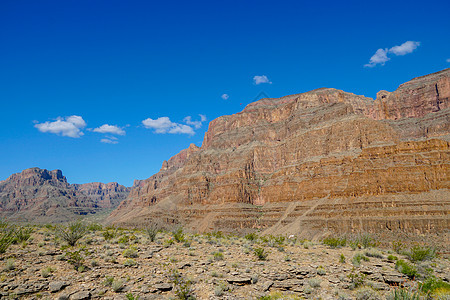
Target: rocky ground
x,y
126,264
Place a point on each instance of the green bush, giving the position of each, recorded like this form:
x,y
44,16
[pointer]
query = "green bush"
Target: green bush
x,y
7,235
392,257
181,286
72,233
406,268
261,253
419,253
435,285
333,242
109,234
218,255
178,235
251,236
342,259
22,234
130,253
152,230
76,258
356,260
357,279
403,294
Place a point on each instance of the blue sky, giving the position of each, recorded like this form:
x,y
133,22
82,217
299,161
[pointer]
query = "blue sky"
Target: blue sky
x,y
102,89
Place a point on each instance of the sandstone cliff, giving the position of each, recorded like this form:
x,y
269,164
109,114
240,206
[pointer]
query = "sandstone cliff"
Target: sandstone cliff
x,y
39,196
324,160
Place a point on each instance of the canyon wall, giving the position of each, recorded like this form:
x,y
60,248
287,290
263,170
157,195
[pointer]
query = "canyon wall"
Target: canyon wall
x,y
321,161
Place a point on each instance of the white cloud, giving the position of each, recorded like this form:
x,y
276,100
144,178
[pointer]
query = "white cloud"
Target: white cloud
x,y
68,126
381,56
164,125
109,141
196,124
405,48
261,79
111,129
448,60
225,96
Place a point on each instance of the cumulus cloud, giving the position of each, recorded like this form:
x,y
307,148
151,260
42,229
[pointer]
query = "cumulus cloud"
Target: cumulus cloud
x,y
111,129
196,124
225,96
109,140
67,126
164,125
261,79
405,48
381,56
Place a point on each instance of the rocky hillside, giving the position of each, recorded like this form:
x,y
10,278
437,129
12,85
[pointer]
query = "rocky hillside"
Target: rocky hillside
x,y
38,195
312,163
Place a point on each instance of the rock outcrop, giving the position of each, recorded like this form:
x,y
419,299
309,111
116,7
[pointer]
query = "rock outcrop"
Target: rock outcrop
x,y
39,196
320,161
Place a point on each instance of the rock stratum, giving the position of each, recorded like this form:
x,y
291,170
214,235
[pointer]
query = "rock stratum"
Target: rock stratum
x,y
321,161
41,196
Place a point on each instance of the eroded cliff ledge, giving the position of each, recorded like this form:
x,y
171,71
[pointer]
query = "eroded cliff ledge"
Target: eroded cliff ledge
x,y
324,160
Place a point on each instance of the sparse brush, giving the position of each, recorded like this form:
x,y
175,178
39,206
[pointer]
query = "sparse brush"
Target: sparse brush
x,y
181,286
130,253
261,253
357,258
433,286
342,259
130,262
314,282
22,234
10,264
373,253
251,236
117,285
333,242
178,235
419,253
46,272
402,294
152,230
367,293
7,234
406,268
72,233
218,255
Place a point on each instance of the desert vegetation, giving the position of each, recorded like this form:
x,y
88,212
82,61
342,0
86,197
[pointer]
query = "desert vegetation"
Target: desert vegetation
x,y
83,261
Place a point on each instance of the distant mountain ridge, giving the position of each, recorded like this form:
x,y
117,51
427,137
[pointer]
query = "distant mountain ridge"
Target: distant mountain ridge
x,y
41,196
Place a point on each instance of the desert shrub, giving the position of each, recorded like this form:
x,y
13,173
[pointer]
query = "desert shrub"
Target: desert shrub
x,y
130,253
392,257
251,236
402,294
76,258
22,234
130,296
419,253
46,272
7,234
261,253
363,240
357,258
117,285
398,246
72,233
109,234
357,279
406,268
94,227
152,230
432,286
342,259
373,253
10,264
130,262
178,235
277,295
181,286
367,293
108,280
314,282
123,239
279,239
333,242
218,255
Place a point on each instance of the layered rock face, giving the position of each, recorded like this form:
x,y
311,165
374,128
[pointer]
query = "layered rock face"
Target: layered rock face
x,y
310,163
40,196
